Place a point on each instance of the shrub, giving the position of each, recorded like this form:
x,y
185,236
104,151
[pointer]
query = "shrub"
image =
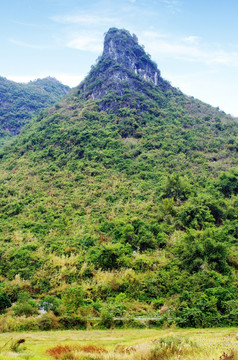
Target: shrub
x,y
176,187
168,347
24,309
51,302
25,305
228,183
72,321
45,322
106,318
61,352
73,298
4,301
201,248
70,351
107,256
15,345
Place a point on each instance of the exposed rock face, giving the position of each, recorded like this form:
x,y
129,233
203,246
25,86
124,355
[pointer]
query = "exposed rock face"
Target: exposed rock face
x,y
124,66
123,48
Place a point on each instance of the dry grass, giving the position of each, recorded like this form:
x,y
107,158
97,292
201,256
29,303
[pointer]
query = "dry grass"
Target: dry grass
x,y
134,344
70,351
166,348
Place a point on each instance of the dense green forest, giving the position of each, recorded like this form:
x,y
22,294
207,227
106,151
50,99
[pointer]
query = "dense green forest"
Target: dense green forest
x,y
20,102
121,201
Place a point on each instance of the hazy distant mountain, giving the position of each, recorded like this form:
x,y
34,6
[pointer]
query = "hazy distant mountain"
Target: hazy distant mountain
x,y
20,102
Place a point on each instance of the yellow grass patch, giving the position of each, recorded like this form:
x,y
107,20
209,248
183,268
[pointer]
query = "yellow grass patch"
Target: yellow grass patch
x,y
131,344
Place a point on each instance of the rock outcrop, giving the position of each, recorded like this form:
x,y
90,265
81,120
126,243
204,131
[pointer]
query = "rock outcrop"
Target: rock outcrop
x,y
124,66
124,49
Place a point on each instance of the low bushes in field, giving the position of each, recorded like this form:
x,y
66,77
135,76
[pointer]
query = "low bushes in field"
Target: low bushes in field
x,y
163,349
15,345
46,321
72,351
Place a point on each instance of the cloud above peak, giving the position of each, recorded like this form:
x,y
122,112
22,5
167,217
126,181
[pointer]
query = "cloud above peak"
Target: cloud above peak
x,y
191,39
27,45
92,43
189,48
173,5
84,19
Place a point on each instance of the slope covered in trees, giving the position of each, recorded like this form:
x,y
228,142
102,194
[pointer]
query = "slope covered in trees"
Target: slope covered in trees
x,y
20,102
123,200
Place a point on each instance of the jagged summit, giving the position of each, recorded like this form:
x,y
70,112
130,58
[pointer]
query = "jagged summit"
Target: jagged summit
x,y
124,65
123,48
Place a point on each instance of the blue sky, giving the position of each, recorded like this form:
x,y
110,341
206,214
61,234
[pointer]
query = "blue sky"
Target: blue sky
x,y
194,42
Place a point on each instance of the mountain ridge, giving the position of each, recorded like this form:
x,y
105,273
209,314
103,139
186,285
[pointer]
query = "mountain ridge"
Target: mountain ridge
x,y
19,102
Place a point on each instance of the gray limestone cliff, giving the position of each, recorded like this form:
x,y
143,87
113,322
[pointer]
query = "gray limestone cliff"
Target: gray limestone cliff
x,y
123,48
124,66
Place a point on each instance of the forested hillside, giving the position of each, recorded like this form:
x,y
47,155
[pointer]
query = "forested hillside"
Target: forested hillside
x,y
20,102
122,201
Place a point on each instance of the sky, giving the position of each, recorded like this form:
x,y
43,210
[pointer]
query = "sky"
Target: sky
x,y
193,42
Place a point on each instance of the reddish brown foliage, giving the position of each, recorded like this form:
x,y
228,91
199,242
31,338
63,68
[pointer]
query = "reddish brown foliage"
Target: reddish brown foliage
x,y
60,351
225,356
92,349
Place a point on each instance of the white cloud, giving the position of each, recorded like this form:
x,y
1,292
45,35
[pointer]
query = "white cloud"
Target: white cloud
x,y
188,49
85,19
173,5
153,35
225,58
26,45
69,79
65,78
21,78
191,39
179,50
82,32
91,43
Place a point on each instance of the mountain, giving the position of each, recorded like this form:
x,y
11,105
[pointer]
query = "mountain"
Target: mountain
x,y
122,200
20,102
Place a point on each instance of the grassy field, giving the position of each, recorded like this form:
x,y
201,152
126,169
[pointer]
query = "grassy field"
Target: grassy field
x,y
189,344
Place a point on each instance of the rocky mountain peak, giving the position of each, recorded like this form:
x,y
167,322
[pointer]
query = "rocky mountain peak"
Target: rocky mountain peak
x,y
123,66
124,49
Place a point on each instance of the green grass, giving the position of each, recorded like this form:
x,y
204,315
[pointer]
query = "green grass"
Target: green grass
x,y
210,343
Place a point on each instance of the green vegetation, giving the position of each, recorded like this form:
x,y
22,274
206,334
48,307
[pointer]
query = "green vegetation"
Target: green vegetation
x,y
20,102
119,208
